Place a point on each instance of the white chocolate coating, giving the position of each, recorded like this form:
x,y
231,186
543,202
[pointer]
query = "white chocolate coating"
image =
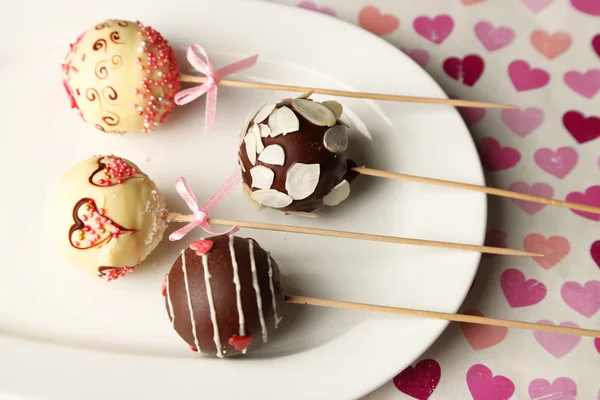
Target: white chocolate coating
x,y
122,77
125,223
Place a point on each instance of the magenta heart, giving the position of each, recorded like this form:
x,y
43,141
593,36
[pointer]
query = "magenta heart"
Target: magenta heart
x,y
494,157
436,29
591,7
597,344
493,38
537,189
525,78
587,84
561,389
557,344
591,197
472,115
420,56
419,382
468,70
495,238
484,386
309,5
595,252
537,5
523,122
596,44
558,163
583,299
581,128
520,292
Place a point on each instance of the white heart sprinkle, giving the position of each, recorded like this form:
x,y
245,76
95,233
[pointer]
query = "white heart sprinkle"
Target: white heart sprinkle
x,y
250,142
283,121
302,179
262,177
339,193
335,139
271,198
259,144
314,112
263,113
335,107
273,154
248,195
265,131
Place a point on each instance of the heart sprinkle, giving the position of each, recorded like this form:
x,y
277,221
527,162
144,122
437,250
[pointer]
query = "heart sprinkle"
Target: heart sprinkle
x,y
164,286
240,342
202,247
111,274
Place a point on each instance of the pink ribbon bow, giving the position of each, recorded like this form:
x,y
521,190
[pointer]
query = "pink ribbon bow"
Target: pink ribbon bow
x,y
210,85
200,214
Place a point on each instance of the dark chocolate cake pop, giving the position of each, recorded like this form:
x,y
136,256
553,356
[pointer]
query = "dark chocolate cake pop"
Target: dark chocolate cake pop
x,y
224,296
294,156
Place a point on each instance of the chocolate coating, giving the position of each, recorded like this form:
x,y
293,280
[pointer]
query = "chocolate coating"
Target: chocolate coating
x,y
187,293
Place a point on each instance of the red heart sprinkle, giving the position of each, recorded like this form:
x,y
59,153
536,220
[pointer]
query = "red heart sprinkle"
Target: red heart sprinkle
x,y
240,342
192,348
202,247
164,286
253,241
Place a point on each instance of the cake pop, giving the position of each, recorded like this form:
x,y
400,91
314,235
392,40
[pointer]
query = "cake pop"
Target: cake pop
x,y
223,295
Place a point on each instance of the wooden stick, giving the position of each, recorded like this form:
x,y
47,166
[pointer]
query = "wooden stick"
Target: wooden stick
x,y
355,235
344,93
477,188
473,319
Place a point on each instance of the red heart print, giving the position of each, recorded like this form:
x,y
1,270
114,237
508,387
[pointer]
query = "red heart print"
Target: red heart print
x,y
525,78
520,292
493,38
590,7
581,128
113,171
495,238
371,19
591,197
586,84
558,163
240,342
562,388
202,247
436,30
554,249
597,344
483,385
467,70
585,299
494,157
482,336
419,382
595,252
596,44
163,290
309,5
557,344
523,121
537,189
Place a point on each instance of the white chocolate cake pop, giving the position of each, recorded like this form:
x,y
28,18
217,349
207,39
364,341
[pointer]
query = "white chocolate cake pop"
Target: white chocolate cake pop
x,y
106,216
122,77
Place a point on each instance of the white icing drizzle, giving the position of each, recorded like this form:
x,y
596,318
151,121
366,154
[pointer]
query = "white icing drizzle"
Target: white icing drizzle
x,y
238,287
189,300
211,303
273,300
257,291
170,304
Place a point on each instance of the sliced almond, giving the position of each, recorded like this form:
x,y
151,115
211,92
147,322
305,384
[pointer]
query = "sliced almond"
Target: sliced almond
x,y
302,179
273,154
283,121
240,163
335,107
301,214
314,112
336,139
306,95
262,177
248,195
264,113
259,144
339,193
250,142
265,131
271,198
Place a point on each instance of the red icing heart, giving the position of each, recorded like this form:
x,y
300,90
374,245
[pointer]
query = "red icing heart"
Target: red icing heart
x,y
240,342
581,128
92,227
192,348
113,171
202,247
164,286
419,382
595,252
468,70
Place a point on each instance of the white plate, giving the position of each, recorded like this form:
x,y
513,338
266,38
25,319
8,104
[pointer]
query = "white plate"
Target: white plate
x,y
65,335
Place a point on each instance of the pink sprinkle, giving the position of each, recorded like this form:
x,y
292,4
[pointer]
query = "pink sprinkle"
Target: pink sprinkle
x,y
101,211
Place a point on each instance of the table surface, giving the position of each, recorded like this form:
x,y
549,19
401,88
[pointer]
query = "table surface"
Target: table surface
x,y
544,57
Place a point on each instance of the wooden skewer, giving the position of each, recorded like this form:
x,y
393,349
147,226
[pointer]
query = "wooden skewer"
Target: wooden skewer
x,y
442,315
477,188
355,235
344,93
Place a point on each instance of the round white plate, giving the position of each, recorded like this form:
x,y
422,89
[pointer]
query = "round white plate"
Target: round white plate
x,y
66,335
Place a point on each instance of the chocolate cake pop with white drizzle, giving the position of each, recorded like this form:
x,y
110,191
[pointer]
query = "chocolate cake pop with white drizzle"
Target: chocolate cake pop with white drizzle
x,y
294,156
223,295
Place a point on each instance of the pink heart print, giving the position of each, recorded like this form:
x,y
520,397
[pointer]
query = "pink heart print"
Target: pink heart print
x,y
550,45
558,163
525,78
522,121
495,238
420,56
586,84
595,252
537,189
484,386
537,5
562,388
309,5
419,382
596,44
494,157
482,336
557,344
554,249
591,7
467,70
597,344
591,197
521,292
582,128
583,299
371,19
493,38
436,29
